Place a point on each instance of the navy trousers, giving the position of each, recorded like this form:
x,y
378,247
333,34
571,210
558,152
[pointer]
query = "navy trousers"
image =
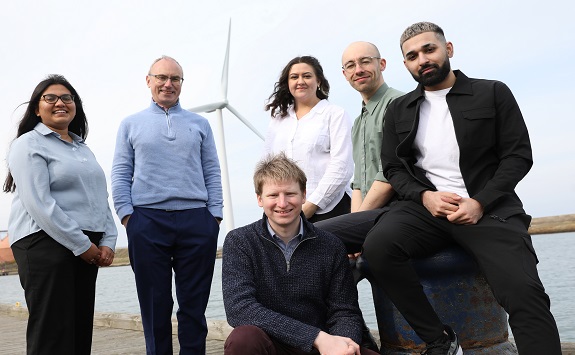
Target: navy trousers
x,y
60,290
503,251
184,241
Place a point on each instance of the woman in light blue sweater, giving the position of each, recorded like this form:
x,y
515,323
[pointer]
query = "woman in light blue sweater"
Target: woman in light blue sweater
x,y
61,227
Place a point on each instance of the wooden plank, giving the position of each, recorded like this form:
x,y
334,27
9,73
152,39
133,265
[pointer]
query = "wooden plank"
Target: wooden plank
x,y
106,340
553,224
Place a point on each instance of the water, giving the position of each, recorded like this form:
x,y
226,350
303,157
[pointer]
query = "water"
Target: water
x,y
116,290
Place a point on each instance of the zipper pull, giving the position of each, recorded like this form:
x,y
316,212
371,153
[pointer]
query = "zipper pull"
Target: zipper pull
x,y
498,218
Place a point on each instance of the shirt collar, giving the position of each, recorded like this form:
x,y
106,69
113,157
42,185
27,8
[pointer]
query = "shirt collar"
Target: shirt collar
x,y
273,234
319,108
159,108
45,131
375,100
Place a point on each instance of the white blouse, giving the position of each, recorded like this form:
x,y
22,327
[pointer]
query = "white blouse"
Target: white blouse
x,y
320,143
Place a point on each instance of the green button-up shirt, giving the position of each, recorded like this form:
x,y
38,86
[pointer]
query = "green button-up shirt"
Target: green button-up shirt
x,y
367,136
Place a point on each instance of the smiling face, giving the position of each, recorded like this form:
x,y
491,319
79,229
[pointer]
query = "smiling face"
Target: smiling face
x,y
426,57
303,83
165,94
366,76
56,116
282,203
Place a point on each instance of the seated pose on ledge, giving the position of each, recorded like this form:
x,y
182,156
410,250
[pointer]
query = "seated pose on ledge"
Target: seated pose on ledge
x,y
454,149
287,286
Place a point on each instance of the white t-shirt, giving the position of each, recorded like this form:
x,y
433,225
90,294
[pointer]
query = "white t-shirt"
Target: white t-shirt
x,y
437,151
320,143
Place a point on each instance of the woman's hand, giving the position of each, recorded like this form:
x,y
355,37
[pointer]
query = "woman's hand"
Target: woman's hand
x,y
92,255
309,209
107,256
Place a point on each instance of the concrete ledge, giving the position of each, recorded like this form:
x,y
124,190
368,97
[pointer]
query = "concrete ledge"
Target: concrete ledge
x,y
14,310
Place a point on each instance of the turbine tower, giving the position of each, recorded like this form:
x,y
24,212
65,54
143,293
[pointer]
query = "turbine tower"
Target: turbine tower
x,y
220,140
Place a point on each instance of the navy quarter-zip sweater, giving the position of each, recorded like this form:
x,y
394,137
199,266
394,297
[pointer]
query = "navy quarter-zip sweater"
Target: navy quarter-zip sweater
x,y
290,304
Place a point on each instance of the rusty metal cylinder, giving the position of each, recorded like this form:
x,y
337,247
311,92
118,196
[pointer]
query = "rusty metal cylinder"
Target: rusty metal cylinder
x,y
462,299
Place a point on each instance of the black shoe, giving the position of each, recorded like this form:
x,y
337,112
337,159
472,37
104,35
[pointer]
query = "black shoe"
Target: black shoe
x,y
367,340
448,344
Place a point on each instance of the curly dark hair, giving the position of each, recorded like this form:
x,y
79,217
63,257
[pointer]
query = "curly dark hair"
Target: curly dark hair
x,y
79,124
281,98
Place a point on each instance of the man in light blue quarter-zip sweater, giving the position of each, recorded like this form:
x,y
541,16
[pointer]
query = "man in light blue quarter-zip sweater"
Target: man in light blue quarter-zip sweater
x,y
167,192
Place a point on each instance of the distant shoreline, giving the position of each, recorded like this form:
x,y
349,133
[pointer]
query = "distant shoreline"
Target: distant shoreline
x,y
121,258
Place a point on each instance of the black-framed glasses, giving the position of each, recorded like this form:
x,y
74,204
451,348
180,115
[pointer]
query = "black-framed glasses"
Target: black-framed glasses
x,y
361,62
52,98
162,79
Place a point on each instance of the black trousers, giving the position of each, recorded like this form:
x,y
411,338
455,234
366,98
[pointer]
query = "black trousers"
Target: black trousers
x,y
60,291
352,228
342,207
503,251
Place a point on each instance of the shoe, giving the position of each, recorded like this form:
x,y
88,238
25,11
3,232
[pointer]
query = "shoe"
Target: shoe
x,y
448,344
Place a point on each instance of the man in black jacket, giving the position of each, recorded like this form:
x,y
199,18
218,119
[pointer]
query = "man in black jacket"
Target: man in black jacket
x,y
454,149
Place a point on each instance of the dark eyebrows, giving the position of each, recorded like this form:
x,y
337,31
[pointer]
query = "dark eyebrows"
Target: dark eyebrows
x,y
304,73
425,46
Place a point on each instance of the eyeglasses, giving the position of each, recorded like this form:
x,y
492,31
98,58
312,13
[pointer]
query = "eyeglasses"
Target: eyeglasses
x,y
52,99
162,79
362,63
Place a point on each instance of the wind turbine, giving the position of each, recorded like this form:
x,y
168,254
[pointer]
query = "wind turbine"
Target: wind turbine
x,y
220,140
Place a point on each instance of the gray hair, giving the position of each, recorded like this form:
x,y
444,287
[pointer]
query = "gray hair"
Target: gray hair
x,y
167,58
419,28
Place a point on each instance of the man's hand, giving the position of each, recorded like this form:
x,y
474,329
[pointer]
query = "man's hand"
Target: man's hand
x,y
378,196
356,200
439,203
354,256
470,212
335,345
125,221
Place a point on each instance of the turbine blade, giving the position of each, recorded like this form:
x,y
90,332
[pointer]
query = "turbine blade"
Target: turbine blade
x,y
226,65
245,121
209,107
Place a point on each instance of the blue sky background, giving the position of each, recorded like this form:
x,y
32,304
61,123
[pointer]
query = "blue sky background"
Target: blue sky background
x,y
106,47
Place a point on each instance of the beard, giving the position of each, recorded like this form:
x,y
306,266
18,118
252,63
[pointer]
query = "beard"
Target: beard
x,y
435,77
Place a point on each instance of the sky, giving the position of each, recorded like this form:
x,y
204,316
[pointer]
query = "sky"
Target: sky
x,y
104,48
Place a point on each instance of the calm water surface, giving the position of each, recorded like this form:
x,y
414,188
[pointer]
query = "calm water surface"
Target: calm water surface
x,y
116,290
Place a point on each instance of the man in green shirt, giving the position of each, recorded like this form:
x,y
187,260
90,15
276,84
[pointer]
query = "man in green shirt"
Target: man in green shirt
x,y
362,67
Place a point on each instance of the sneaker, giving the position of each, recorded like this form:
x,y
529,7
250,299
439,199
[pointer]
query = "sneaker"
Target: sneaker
x,y
448,344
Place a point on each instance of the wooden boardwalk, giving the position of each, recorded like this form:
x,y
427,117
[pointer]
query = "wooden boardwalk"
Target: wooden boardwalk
x,y
106,340
116,334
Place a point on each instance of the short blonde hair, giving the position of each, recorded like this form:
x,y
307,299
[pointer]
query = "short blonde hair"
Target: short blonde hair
x,y
277,168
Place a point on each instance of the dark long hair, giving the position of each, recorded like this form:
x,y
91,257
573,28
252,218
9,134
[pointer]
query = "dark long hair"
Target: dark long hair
x,y
79,124
281,98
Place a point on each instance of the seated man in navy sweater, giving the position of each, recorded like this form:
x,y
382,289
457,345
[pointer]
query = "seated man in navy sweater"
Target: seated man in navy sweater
x,y
287,286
